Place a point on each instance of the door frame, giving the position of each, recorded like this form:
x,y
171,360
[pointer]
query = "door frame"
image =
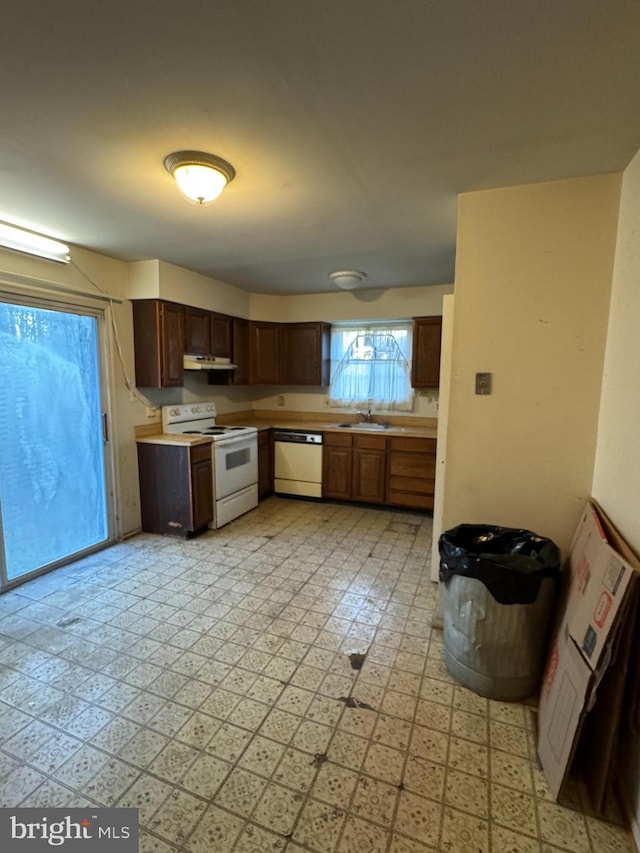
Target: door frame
x,y
47,300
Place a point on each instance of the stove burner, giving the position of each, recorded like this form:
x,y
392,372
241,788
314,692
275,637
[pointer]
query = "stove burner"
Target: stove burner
x,y
192,432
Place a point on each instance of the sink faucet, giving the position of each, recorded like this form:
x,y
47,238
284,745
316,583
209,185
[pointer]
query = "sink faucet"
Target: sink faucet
x,y
368,418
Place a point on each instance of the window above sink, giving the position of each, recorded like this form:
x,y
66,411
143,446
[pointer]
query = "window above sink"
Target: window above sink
x,y
371,366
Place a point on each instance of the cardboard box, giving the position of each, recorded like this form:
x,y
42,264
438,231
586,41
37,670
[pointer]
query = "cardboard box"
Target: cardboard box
x,y
600,603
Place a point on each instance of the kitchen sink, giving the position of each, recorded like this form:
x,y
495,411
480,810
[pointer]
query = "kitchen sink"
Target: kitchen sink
x,y
365,426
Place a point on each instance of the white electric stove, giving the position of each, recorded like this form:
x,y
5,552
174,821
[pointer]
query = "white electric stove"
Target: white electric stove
x,y
234,457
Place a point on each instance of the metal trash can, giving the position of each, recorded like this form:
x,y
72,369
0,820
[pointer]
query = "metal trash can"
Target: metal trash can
x,y
498,589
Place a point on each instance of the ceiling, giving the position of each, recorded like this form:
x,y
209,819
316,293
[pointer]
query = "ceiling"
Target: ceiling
x,y
352,124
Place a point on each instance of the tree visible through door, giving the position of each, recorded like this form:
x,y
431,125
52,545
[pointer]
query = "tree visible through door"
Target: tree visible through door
x,y
53,493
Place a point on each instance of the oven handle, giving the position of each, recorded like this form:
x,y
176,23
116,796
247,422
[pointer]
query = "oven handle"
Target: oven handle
x,y
239,439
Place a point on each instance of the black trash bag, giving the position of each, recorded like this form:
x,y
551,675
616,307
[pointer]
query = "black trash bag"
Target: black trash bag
x,y
511,563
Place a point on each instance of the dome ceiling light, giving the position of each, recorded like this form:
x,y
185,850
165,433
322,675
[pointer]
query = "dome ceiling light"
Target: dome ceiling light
x,y
201,177
347,279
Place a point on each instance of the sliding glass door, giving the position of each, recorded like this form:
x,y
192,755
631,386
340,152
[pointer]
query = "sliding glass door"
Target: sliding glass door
x,y
54,496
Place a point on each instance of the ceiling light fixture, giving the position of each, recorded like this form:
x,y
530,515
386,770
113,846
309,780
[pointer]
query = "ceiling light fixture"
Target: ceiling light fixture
x,y
347,279
200,176
21,240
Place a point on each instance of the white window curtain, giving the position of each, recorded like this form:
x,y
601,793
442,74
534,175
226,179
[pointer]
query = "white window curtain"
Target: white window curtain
x,y
371,366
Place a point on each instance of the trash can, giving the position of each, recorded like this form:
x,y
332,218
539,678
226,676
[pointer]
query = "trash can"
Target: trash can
x,y
498,589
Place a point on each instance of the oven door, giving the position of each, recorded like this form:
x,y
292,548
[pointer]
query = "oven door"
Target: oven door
x,y
235,464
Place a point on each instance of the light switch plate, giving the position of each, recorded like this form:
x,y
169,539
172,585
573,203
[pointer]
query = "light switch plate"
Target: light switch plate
x,y
483,383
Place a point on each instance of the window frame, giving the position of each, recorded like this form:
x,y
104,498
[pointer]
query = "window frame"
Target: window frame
x,y
379,402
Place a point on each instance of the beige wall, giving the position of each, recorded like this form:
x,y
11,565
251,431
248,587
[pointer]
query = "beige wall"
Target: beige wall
x,y
533,277
446,351
161,280
394,303
616,483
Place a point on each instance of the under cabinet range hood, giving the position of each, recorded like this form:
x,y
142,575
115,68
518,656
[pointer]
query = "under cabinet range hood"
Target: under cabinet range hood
x,y
208,362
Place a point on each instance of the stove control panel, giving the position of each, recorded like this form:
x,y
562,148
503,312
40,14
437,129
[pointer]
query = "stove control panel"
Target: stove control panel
x,y
188,412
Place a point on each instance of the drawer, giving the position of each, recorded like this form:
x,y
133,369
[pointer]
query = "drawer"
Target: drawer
x,y
416,485
413,445
369,442
337,439
200,453
411,501
412,464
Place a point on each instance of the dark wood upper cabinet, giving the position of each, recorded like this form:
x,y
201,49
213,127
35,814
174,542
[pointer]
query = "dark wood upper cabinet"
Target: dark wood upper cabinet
x,y
425,363
221,334
159,343
241,351
197,331
306,354
265,352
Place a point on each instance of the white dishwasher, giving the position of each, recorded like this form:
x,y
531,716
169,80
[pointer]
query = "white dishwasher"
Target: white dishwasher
x,y
298,463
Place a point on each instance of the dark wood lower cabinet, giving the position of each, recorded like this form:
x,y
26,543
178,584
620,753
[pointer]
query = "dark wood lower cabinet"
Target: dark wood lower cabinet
x,y
412,472
375,469
265,463
176,487
369,468
354,467
201,486
337,466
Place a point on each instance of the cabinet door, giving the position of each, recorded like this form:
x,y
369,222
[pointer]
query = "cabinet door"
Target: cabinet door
x,y
172,344
369,469
201,486
306,353
337,467
165,500
158,340
425,363
265,353
241,351
221,326
265,463
197,331
146,342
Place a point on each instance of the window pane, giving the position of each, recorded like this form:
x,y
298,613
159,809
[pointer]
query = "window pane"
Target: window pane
x,y
52,475
372,364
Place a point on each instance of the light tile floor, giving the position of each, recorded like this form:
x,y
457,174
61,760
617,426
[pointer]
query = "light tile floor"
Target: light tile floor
x,y
209,683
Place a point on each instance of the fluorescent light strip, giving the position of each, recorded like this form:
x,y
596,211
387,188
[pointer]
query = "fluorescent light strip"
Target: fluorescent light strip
x,y
20,240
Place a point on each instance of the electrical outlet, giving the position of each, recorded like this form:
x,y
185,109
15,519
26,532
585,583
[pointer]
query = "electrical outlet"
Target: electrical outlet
x,y
150,411
280,400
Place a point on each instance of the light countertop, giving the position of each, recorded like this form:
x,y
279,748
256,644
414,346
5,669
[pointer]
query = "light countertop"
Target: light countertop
x,y
307,422
164,438
323,426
